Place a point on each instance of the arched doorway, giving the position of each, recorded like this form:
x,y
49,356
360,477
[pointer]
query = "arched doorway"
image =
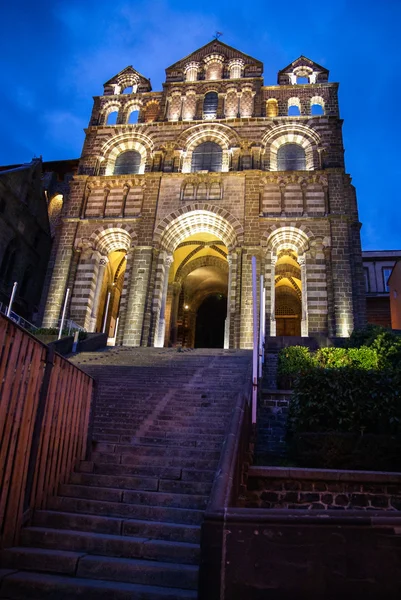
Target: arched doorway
x,y
288,294
110,292
210,320
198,281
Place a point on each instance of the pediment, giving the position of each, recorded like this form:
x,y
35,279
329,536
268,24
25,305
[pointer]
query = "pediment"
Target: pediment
x,y
128,77
303,66
252,65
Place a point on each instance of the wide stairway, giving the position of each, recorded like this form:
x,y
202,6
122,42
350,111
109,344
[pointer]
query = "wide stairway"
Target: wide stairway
x,y
127,525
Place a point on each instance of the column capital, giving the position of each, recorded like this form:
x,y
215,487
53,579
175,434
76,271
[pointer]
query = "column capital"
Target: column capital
x,y
103,261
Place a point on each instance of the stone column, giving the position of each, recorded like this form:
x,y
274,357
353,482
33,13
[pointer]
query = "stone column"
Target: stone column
x,y
96,299
304,307
174,311
228,320
137,294
161,325
57,287
273,328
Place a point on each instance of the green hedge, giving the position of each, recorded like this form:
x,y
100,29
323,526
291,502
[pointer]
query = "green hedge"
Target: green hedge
x,y
347,400
295,360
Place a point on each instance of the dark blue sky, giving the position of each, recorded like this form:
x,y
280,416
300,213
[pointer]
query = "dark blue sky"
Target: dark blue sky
x,y
59,53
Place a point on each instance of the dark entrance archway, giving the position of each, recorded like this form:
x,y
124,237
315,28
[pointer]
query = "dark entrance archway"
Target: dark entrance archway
x,y
210,320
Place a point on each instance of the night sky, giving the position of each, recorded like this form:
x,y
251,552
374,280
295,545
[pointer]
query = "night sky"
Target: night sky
x,y
59,54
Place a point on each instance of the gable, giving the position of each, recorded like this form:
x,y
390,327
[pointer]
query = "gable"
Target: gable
x,y
303,67
128,77
252,66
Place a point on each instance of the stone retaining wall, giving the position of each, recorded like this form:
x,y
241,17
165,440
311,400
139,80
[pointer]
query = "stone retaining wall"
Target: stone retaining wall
x,y
320,489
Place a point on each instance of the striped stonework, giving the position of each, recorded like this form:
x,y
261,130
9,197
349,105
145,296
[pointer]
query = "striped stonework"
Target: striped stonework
x,y
165,237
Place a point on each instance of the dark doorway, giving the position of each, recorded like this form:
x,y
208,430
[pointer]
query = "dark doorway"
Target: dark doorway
x,y
210,320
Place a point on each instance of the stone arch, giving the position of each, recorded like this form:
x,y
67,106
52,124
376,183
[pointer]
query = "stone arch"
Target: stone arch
x,y
54,210
110,237
288,236
195,218
292,133
317,101
197,263
107,109
223,135
133,140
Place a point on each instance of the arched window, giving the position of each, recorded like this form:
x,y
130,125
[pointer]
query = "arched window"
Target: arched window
x,y
316,110
127,163
207,157
128,90
291,157
302,80
294,107
112,118
210,105
133,117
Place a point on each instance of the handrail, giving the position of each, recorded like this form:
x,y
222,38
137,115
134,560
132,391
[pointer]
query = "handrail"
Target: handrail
x,y
45,406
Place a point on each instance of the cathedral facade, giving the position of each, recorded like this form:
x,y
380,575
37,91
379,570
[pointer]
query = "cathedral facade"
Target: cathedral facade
x,y
176,191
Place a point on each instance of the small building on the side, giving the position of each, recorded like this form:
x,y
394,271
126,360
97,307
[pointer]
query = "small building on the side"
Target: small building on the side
x,y
377,267
25,240
394,284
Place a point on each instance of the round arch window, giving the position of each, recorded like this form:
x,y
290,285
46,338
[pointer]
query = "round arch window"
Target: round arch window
x,y
207,157
127,163
291,157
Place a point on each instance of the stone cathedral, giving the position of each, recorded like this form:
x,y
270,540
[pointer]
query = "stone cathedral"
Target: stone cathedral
x,y
176,191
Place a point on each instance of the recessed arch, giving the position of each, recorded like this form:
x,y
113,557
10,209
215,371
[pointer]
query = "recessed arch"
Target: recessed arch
x,y
109,238
290,237
198,218
292,133
121,143
222,135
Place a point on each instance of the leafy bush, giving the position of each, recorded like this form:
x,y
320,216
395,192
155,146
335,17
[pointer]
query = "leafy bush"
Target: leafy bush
x,y
54,331
294,360
346,451
385,342
346,400
335,358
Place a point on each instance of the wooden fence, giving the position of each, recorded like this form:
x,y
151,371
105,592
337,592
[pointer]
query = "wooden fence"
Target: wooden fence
x,y
45,404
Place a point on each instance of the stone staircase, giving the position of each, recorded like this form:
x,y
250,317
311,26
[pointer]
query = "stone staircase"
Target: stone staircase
x,y
127,525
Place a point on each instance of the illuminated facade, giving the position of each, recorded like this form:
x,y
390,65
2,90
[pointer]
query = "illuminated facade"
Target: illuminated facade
x,y
177,190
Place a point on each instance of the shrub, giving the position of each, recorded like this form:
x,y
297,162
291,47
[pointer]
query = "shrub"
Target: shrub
x,y
54,331
347,451
294,360
385,342
346,400
335,358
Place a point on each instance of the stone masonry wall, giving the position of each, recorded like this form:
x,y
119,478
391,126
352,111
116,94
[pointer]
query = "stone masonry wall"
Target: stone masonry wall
x,y
319,489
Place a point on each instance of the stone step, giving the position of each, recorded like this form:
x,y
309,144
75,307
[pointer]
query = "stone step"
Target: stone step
x,y
41,586
173,431
116,526
155,450
135,495
135,570
130,511
196,475
102,544
109,481
169,461
52,559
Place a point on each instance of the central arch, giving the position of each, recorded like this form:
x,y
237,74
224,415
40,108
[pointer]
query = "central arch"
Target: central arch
x,y
198,243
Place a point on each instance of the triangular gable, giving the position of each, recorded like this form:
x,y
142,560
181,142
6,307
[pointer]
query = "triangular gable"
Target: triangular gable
x,y
217,47
128,77
303,65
